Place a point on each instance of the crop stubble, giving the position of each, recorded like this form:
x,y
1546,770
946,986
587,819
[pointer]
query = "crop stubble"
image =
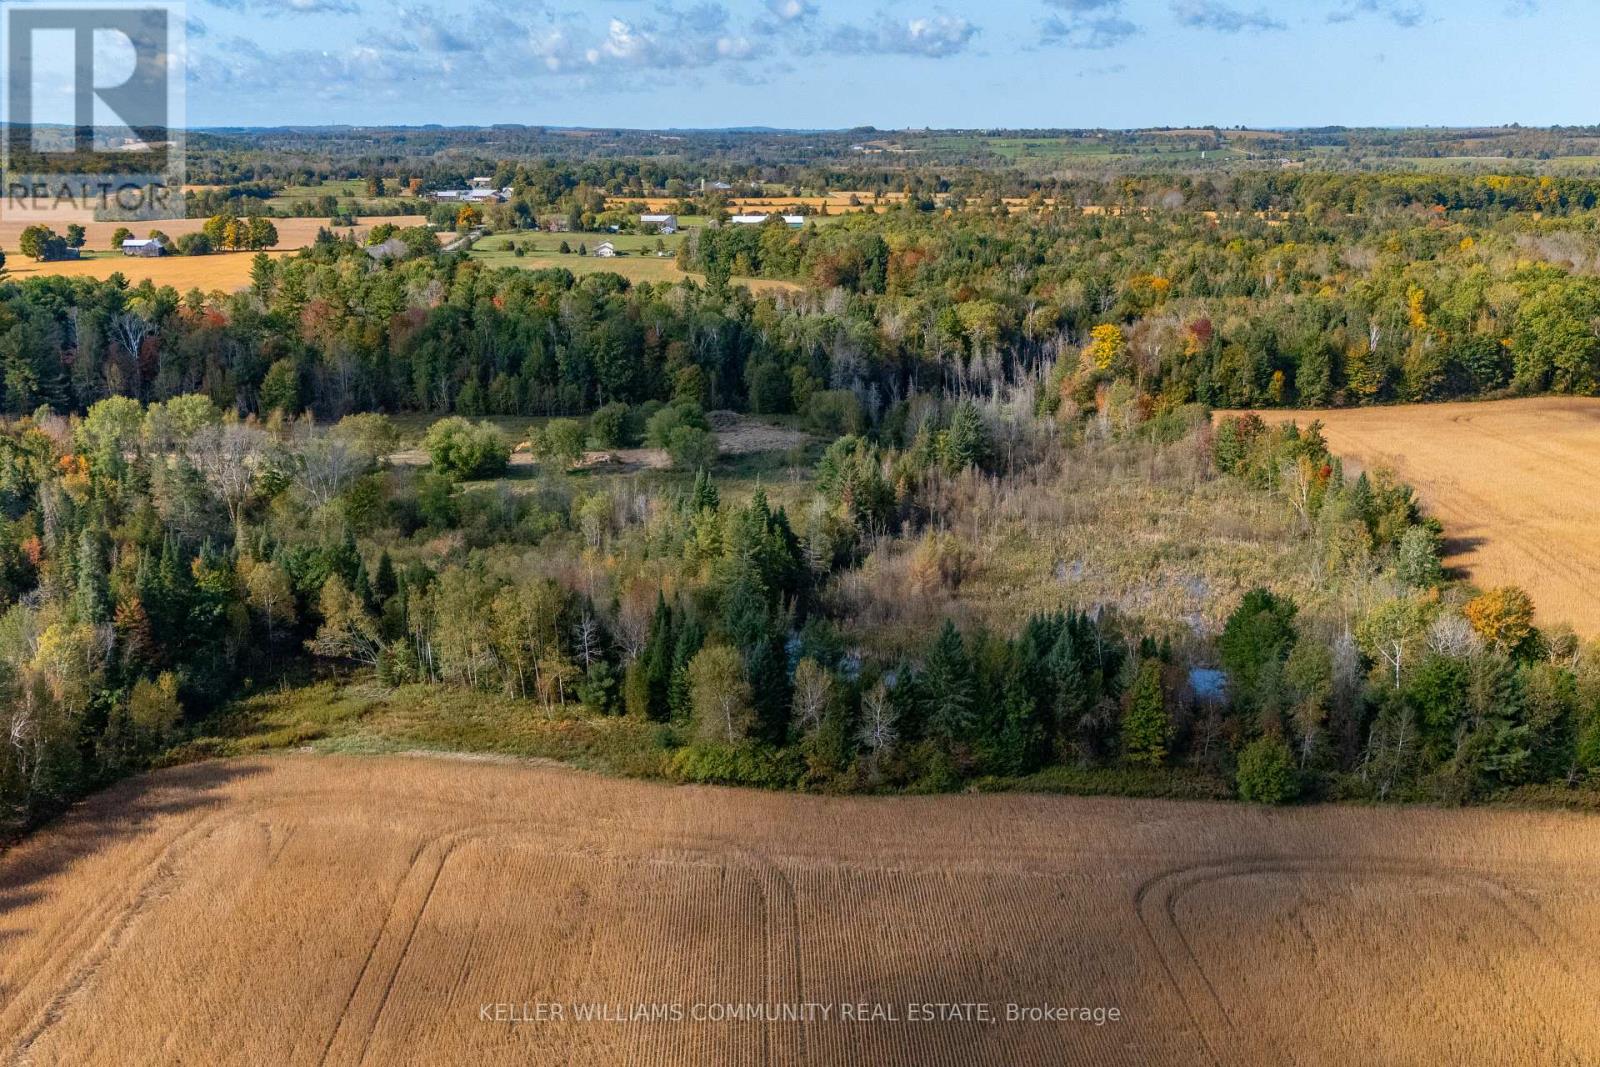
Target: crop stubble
x,y
326,910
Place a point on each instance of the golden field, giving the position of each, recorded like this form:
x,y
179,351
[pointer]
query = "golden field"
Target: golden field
x,y
227,271
1515,482
306,909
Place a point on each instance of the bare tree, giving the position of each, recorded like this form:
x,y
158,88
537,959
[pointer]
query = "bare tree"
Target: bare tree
x,y
129,330
813,687
879,727
229,457
588,634
327,466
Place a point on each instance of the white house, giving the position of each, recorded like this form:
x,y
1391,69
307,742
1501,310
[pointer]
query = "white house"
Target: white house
x,y
605,249
479,183
141,246
662,223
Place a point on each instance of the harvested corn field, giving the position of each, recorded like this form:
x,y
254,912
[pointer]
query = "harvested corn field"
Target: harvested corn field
x,y
1515,482
334,910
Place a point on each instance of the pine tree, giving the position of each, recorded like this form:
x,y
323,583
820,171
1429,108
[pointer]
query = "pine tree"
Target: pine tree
x,y
94,588
385,584
704,495
947,681
691,637
1146,726
968,440
655,662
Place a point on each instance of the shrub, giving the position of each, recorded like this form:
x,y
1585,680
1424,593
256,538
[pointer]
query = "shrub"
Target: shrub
x,y
1266,772
692,448
560,442
608,427
663,422
466,450
835,412
749,765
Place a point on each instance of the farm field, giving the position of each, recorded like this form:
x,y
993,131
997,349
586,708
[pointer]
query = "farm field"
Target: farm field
x,y
311,909
223,270
836,203
292,233
641,265
1515,482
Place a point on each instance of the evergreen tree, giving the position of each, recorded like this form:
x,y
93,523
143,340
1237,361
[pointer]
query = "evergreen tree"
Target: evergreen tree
x,y
948,685
968,442
1146,726
704,495
384,583
94,588
655,662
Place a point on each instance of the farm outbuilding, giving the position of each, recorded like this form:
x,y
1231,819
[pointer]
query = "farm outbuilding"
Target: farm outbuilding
x,y
141,246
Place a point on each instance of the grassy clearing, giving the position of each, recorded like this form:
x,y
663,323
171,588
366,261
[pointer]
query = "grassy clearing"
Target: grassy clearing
x,y
365,717
640,266
1141,529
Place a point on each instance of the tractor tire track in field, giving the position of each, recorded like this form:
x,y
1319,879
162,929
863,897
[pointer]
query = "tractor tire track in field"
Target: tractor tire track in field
x,y
1157,899
98,934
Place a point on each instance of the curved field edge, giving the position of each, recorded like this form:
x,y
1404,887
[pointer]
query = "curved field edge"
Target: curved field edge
x,y
365,718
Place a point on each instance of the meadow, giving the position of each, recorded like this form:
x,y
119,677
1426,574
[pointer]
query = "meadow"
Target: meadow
x,y
639,263
314,909
1514,482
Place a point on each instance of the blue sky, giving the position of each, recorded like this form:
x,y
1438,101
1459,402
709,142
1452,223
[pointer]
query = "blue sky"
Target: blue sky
x,y
900,63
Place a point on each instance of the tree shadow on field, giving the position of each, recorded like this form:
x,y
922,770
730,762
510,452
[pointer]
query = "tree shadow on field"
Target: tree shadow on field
x,y
1457,546
108,819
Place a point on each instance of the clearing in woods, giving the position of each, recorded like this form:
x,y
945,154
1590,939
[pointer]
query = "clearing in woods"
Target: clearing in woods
x,y
1516,484
307,910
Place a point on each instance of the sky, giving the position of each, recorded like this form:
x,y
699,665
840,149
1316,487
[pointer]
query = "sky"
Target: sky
x,y
893,64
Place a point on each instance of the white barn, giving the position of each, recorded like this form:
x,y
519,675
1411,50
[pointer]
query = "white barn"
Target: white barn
x,y
662,223
141,246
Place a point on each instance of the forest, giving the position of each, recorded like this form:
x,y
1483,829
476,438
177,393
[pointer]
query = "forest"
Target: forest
x,y
203,495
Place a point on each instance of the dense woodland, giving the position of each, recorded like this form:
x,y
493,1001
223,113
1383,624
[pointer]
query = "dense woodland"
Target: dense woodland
x,y
202,493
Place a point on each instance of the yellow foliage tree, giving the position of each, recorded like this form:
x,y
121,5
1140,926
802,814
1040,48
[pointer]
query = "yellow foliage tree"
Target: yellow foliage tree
x,y
1106,346
1503,617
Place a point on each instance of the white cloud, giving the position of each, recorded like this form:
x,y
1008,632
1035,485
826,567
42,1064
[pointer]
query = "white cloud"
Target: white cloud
x,y
1403,13
931,36
1218,16
1086,24
271,8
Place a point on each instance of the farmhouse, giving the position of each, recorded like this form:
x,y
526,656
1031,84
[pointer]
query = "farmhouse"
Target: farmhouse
x,y
605,249
475,195
141,246
662,223
794,222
